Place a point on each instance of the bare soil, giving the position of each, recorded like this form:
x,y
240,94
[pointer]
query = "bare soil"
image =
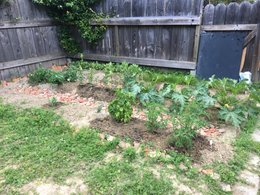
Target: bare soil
x,y
98,93
137,132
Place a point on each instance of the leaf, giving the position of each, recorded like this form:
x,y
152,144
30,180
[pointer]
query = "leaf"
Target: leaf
x,y
232,116
179,98
151,96
166,91
207,101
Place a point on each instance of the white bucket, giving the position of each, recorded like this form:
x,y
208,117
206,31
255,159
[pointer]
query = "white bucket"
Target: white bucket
x,y
246,76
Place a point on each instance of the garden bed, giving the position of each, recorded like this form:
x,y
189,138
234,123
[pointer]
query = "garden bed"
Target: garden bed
x,y
86,104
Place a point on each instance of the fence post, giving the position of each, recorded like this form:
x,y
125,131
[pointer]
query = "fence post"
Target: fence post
x,y
256,56
197,34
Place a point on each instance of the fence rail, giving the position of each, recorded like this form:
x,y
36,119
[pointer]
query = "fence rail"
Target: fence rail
x,y
163,33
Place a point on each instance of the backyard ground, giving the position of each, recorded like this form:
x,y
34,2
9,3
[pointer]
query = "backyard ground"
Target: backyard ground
x,y
61,139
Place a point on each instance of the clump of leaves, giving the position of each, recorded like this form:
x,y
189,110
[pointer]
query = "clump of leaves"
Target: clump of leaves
x,y
121,108
40,75
109,69
129,153
56,77
186,124
67,42
155,118
53,101
182,137
71,74
235,116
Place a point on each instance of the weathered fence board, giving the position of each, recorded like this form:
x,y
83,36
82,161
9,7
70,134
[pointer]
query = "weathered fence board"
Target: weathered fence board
x,y
27,36
149,29
233,13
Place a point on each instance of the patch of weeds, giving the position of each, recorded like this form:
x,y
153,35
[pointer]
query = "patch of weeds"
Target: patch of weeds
x,y
129,154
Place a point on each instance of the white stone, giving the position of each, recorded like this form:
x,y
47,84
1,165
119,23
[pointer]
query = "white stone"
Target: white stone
x,y
226,187
256,136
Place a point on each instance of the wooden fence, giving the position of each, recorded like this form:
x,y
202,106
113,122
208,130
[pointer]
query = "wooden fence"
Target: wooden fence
x,y
148,32
27,37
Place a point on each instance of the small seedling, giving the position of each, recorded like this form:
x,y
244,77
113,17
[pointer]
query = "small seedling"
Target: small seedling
x,y
53,101
99,109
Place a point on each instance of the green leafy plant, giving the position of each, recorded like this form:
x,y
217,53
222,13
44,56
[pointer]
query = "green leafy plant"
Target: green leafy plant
x,y
233,116
91,75
67,42
155,118
74,13
53,101
109,69
56,78
129,153
121,108
71,74
40,75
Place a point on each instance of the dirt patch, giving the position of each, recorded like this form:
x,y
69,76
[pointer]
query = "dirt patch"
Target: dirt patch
x,y
72,186
135,130
98,93
53,107
80,115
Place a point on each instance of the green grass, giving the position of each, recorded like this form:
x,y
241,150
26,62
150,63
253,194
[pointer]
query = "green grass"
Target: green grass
x,y
119,177
38,144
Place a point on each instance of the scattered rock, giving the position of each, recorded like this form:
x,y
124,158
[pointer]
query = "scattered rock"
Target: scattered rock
x,y
256,136
226,187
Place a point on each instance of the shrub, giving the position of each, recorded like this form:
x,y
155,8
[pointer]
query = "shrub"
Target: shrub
x,y
71,74
56,78
182,137
40,75
121,108
155,119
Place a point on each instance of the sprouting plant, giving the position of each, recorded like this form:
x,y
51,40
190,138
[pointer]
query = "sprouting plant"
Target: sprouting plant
x,y
109,69
155,118
99,109
121,108
91,75
129,153
53,101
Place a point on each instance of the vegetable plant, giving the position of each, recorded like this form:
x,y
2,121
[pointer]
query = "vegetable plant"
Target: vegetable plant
x,y
40,75
155,118
121,107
